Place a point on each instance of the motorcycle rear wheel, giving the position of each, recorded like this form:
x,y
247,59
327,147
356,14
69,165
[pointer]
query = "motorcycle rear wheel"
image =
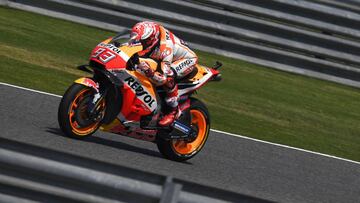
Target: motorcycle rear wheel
x,y
73,118
181,150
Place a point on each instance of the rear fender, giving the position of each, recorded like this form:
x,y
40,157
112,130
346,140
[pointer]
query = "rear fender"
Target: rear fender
x,y
216,75
88,82
203,75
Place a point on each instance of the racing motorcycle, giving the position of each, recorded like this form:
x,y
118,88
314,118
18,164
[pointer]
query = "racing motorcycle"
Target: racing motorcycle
x,y
119,99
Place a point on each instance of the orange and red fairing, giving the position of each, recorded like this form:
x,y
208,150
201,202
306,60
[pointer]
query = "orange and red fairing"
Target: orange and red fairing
x,y
113,57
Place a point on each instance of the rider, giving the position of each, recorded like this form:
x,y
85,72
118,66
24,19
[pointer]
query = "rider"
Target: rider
x,y
176,61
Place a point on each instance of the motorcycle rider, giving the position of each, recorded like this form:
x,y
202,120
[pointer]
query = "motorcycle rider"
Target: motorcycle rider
x,y
175,58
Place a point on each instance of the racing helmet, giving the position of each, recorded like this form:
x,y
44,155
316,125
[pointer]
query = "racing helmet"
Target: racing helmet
x,y
147,33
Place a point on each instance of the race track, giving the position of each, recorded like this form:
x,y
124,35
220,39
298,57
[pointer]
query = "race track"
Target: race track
x,y
230,163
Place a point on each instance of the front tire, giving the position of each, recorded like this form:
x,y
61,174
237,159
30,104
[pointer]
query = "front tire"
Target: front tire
x,y
181,150
72,113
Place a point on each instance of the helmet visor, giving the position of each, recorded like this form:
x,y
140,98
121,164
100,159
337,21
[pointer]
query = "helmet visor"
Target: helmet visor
x,y
133,38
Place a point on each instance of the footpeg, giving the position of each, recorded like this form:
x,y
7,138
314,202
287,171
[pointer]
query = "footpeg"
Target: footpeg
x,y
182,131
181,127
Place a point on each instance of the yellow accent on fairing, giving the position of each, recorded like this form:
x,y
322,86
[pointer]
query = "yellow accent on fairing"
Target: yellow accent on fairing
x,y
202,71
131,50
110,126
144,82
80,81
107,40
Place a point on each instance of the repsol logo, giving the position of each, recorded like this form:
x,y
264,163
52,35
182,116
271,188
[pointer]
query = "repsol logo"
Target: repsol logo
x,y
111,47
139,91
182,65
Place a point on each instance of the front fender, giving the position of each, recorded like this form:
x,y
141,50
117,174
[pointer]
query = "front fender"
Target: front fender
x,y
88,82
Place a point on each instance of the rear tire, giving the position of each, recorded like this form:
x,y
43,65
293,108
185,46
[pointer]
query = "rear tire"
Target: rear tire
x,y
72,113
179,150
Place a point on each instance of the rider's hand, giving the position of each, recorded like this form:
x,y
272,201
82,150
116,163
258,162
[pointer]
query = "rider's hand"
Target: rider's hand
x,y
146,69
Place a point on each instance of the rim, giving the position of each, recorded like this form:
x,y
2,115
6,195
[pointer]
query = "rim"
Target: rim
x,y
198,120
80,123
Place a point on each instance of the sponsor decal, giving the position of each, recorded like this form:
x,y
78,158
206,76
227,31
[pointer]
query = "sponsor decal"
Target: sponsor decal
x,y
107,52
88,82
167,35
111,47
140,91
183,64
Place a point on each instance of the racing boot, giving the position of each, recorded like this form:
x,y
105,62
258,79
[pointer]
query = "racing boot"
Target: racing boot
x,y
172,101
169,118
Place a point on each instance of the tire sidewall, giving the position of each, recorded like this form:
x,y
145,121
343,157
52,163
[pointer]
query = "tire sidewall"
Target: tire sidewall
x,y
166,146
64,110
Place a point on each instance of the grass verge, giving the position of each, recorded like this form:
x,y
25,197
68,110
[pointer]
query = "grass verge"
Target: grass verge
x,y
41,53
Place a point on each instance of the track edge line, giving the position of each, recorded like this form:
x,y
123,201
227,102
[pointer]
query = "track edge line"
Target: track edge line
x,y
214,130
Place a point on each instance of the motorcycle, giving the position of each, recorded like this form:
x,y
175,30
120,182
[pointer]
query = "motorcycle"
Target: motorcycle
x,y
119,99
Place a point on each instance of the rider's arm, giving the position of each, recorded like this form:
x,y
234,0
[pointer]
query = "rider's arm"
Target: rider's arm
x,y
165,58
166,51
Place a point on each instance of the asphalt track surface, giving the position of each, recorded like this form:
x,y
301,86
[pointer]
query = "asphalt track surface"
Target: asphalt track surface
x,y
227,162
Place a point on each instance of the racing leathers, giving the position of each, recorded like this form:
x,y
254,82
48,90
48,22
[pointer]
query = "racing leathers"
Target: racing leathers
x,y
176,61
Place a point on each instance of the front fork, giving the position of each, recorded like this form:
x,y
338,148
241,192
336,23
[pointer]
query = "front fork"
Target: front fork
x,y
95,101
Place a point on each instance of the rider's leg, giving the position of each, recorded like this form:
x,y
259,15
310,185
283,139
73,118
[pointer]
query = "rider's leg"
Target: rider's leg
x,y
181,68
171,100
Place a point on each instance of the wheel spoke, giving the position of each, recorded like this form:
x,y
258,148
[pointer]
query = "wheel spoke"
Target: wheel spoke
x,y
78,117
81,97
184,144
199,123
71,114
194,120
83,108
176,143
189,146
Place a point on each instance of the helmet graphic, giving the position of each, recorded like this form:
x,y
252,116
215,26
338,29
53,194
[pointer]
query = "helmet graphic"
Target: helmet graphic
x,y
146,32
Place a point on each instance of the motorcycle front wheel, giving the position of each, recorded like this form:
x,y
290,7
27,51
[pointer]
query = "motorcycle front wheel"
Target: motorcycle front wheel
x,y
73,116
182,150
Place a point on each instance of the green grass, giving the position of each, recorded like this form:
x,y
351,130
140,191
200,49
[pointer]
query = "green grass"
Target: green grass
x,y
41,53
